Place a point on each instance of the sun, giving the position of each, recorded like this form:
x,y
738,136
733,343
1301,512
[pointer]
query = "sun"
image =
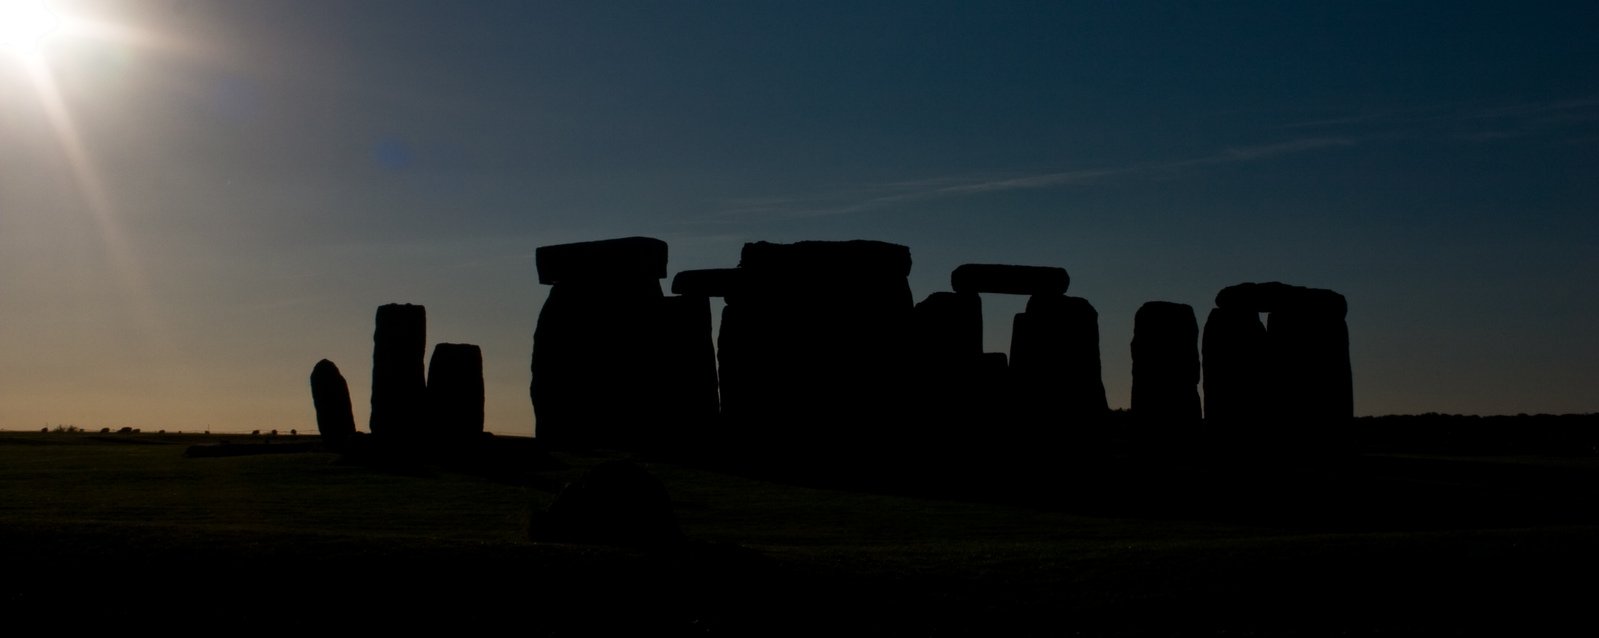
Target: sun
x,y
25,24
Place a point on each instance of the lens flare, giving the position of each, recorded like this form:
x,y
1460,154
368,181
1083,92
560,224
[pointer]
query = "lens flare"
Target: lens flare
x,y
25,24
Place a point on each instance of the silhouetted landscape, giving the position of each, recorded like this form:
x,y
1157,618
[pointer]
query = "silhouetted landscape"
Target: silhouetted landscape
x,y
827,478
1423,532
888,318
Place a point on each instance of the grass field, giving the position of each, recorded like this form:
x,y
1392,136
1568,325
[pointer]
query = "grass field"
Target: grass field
x,y
1385,544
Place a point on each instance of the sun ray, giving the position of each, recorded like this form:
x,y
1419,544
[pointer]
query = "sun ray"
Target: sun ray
x,y
120,257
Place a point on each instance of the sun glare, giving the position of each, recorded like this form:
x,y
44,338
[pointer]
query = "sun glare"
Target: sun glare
x,y
25,24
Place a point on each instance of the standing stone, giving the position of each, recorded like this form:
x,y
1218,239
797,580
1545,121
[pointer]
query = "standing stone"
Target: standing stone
x,y
948,329
399,391
688,377
597,369
1056,370
335,420
1303,386
1165,353
949,395
455,393
1235,370
1309,343
814,345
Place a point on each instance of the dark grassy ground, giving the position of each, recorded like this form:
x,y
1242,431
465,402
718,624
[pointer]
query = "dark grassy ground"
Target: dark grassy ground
x,y
123,528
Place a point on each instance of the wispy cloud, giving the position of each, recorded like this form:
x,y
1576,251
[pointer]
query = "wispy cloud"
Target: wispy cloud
x,y
1474,122
877,196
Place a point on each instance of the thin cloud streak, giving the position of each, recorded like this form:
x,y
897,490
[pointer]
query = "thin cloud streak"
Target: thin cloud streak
x,y
883,195
1485,123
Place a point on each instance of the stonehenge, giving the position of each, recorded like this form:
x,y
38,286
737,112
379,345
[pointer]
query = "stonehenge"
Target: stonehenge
x,y
820,345
822,353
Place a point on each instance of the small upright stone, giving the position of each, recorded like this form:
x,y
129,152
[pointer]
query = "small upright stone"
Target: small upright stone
x,y
335,420
455,392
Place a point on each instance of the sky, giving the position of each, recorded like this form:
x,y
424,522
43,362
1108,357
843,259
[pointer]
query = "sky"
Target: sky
x,y
200,199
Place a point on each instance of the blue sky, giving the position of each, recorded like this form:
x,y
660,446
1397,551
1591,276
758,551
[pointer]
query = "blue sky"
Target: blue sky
x,y
224,192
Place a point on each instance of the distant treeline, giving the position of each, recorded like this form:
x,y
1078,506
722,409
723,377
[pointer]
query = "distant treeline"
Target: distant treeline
x,y
1552,434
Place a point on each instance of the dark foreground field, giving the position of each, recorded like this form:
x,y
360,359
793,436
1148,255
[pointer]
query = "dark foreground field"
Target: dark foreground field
x,y
124,529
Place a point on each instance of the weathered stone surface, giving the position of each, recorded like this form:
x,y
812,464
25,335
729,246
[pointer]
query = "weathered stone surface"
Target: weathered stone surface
x,y
399,390
624,259
1054,362
1010,280
596,363
455,392
616,503
1165,353
710,282
335,419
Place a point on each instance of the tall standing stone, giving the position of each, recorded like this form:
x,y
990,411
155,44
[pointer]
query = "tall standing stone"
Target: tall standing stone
x,y
1056,369
1165,353
597,370
1235,370
399,390
1302,393
455,393
814,345
335,420
949,398
1309,342
688,377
